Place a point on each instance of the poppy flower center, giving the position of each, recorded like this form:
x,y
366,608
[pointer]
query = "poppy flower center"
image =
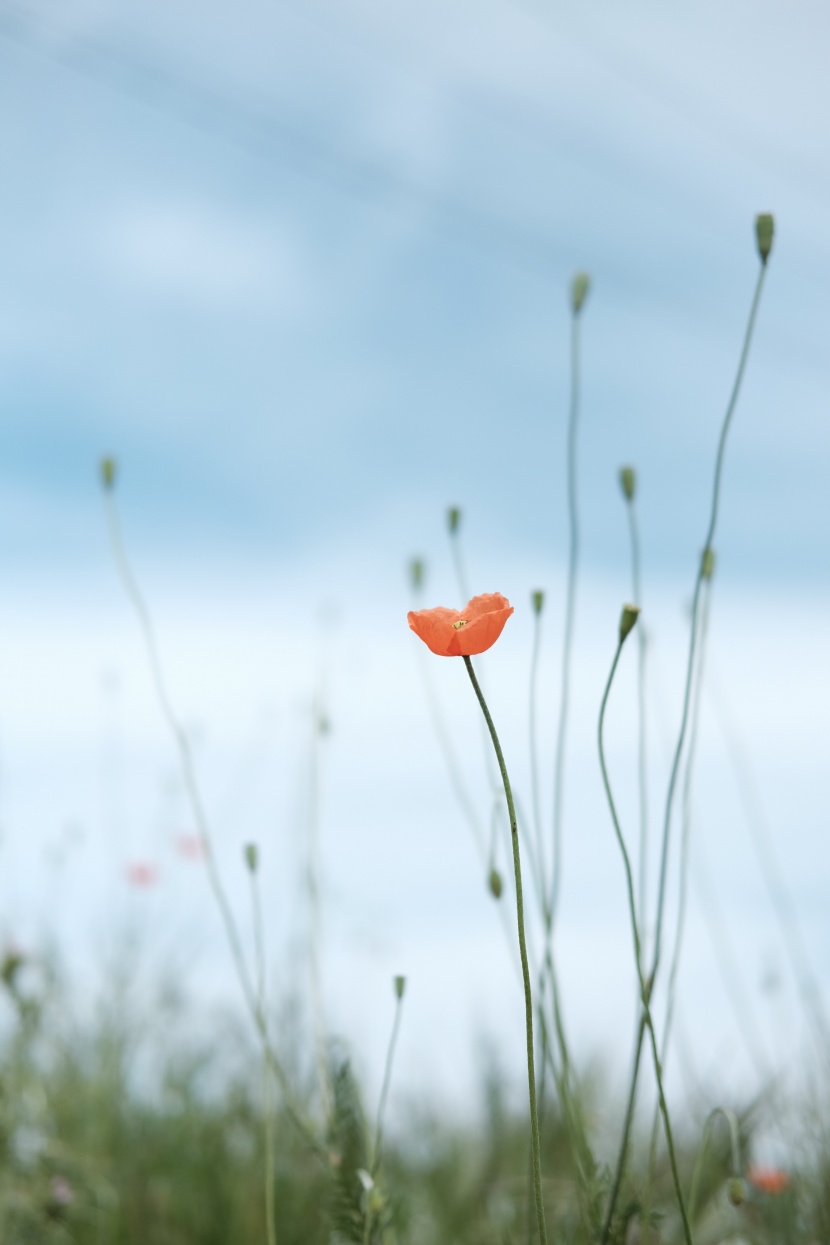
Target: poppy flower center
x,y
462,622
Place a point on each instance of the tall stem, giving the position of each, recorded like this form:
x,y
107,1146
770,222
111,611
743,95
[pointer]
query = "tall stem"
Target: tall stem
x,y
637,599
517,868
570,605
645,987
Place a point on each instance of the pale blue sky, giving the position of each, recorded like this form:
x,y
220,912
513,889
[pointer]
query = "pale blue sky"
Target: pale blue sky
x,y
303,269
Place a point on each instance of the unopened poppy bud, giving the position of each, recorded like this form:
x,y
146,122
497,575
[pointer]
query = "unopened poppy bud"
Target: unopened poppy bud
x,y
400,986
628,618
579,291
453,519
736,1191
416,574
495,883
251,856
628,482
108,472
764,231
538,599
707,563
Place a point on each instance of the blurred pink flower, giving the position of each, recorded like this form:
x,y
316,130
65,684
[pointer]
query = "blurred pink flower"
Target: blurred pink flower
x,y
191,846
141,875
62,1194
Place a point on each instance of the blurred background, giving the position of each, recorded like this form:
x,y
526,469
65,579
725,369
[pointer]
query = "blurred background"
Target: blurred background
x,y
303,269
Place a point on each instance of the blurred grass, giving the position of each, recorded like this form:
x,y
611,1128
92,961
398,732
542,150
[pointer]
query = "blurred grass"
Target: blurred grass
x,y
110,1131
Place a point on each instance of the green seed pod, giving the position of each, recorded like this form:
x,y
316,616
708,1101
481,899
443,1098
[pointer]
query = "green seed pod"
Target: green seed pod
x,y
538,599
628,618
108,472
453,519
400,986
495,883
416,574
580,285
707,563
251,856
736,1191
764,231
628,482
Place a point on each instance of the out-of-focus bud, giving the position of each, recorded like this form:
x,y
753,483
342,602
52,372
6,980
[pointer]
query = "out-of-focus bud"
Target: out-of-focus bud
x,y
251,856
400,986
453,519
628,482
736,1191
10,966
628,618
107,469
707,563
580,285
495,883
764,232
416,574
538,599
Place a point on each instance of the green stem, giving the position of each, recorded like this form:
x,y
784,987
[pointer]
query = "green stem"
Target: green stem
x,y
259,944
645,987
517,868
629,1118
387,1078
713,518
534,751
570,605
637,599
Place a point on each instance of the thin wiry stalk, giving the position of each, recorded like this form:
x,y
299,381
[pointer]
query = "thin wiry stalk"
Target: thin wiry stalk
x,y
642,740
267,1105
197,808
685,839
645,987
619,1170
707,544
315,909
533,744
387,1079
570,607
517,867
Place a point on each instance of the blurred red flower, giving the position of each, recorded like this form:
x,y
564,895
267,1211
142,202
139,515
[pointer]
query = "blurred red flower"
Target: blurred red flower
x,y
768,1179
462,633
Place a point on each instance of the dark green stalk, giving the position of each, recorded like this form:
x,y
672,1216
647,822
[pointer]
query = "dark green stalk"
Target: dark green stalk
x,y
645,987
626,1134
517,868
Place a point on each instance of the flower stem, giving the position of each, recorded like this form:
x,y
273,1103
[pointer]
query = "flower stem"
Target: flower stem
x,y
517,867
645,987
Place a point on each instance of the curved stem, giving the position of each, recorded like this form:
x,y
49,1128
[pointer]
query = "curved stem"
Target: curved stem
x,y
531,1075
570,605
629,1118
645,987
637,599
534,750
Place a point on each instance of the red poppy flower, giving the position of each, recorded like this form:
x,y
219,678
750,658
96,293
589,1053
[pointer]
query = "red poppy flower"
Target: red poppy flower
x,y
462,633
768,1179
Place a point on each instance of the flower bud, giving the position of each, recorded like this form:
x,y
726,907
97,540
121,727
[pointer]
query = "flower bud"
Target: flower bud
x,y
628,618
538,599
764,230
628,482
251,856
416,574
707,563
495,883
579,291
400,986
736,1191
108,473
453,519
